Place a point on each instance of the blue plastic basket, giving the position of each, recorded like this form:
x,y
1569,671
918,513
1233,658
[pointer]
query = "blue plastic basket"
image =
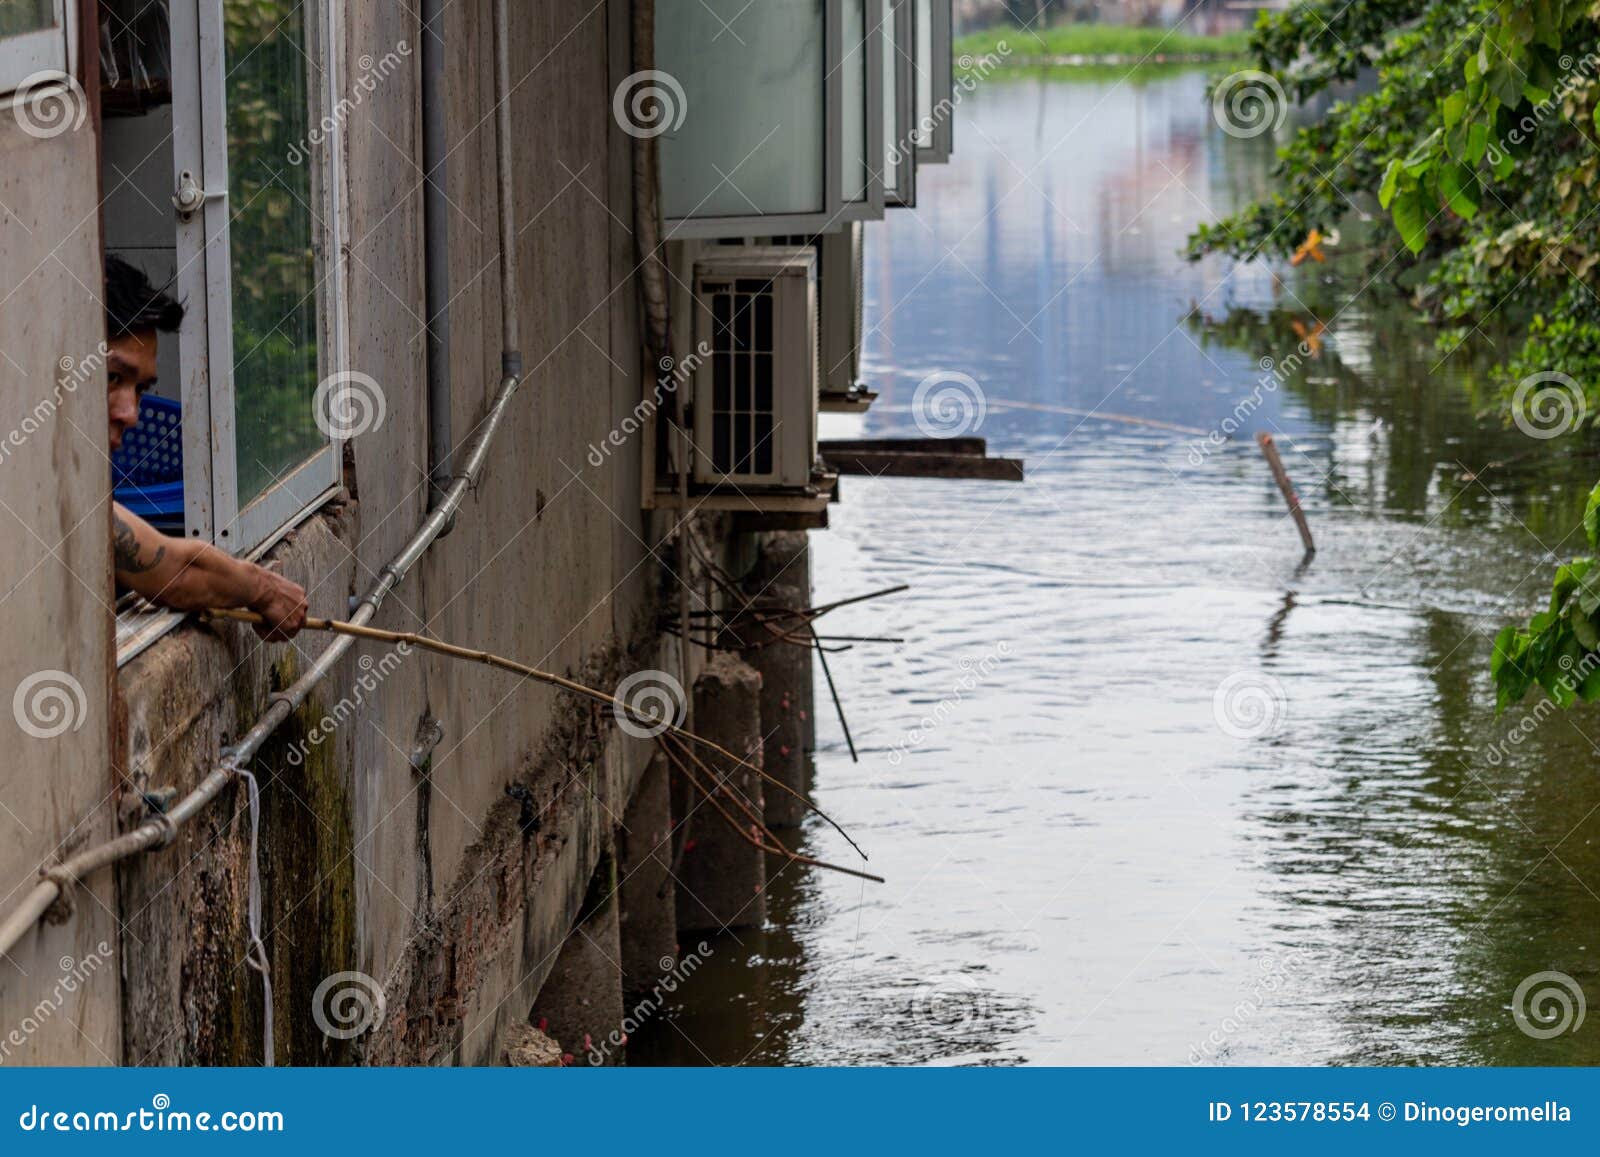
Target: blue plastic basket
x,y
147,470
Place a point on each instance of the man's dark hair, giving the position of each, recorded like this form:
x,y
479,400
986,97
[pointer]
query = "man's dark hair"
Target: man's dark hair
x,y
133,305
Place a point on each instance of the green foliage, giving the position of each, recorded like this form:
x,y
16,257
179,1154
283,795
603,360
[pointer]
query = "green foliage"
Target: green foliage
x,y
1560,648
271,236
1101,40
1479,144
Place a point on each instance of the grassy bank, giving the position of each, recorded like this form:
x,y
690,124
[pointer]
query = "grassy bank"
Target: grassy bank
x,y
1102,44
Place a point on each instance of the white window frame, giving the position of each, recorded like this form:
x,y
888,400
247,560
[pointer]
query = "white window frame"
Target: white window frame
x,y
683,228
839,309
53,50
902,192
942,69
870,207
206,356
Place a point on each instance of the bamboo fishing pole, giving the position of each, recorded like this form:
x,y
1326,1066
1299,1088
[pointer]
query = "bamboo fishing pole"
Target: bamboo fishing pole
x,y
488,658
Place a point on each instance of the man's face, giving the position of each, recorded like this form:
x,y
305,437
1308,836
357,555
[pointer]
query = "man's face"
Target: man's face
x,y
130,371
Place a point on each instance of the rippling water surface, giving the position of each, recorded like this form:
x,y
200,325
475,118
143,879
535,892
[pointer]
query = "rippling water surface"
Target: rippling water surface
x,y
1092,858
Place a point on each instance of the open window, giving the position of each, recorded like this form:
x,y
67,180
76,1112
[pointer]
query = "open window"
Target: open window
x,y
219,180
935,81
219,170
899,48
840,389
862,89
36,42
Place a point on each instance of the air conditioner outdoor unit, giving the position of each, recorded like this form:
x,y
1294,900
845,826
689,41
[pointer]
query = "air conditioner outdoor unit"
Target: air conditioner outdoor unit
x,y
755,389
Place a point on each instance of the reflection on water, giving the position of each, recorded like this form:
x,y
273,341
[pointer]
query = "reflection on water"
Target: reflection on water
x,y
1182,799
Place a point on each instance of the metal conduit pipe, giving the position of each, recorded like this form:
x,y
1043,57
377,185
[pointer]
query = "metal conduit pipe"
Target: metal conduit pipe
x,y
436,249
511,354
647,199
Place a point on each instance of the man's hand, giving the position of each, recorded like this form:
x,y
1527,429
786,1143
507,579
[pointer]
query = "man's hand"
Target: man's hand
x,y
281,603
194,576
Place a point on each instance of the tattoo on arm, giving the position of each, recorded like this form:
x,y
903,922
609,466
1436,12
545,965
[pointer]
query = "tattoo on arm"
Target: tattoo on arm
x,y
125,545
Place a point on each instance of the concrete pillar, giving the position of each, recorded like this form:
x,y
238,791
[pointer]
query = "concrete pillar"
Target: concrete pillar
x,y
722,879
781,579
580,1005
645,843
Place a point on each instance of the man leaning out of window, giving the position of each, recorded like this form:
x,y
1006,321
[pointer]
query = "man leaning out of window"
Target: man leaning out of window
x,y
181,573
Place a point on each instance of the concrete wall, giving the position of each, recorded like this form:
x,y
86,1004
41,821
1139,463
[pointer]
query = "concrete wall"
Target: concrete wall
x,y
55,592
450,887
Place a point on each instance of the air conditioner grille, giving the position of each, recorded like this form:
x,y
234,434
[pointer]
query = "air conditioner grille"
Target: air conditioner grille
x,y
743,419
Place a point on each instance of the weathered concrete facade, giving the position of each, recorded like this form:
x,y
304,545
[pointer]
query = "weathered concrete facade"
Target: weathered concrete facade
x,y
431,825
55,582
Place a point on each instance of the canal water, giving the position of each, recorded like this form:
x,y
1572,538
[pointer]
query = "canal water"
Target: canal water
x,y
1147,788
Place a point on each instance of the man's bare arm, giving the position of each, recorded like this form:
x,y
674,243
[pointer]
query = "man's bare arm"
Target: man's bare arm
x,y
191,576
125,547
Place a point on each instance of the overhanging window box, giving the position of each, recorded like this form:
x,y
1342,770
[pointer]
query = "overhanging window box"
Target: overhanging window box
x,y
777,126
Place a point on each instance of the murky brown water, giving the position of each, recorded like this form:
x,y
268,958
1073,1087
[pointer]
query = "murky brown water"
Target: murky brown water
x,y
1084,866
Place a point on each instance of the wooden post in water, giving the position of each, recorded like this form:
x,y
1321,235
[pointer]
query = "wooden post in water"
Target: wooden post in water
x,y
1270,449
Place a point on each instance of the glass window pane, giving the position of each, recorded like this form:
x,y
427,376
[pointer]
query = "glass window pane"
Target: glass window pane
x,y
891,97
924,73
853,76
271,230
748,134
19,16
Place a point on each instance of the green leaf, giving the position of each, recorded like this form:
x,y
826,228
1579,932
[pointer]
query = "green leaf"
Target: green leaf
x,y
1506,82
1411,219
1477,142
1511,677
1591,518
1567,578
1548,24
1420,159
1391,182
1589,689
1559,688
1459,184
1584,630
